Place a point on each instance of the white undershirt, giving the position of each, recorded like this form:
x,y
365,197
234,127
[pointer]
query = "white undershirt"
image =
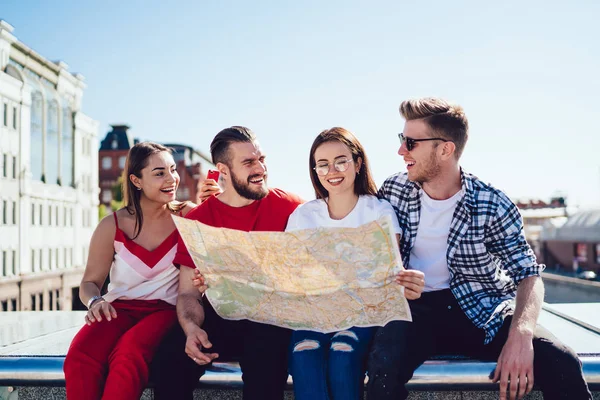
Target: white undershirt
x,y
429,251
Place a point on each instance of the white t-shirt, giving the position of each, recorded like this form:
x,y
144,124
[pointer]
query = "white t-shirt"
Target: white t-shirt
x,y
429,251
315,214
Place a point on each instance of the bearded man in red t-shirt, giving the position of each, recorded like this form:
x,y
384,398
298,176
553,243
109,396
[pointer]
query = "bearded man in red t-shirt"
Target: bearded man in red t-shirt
x,y
246,204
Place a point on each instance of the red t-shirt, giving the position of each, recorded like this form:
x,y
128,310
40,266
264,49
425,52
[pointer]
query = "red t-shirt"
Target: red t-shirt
x,y
268,214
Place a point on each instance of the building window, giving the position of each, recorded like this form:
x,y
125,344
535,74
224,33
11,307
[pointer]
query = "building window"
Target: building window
x,y
14,117
122,160
33,214
186,193
4,264
14,262
33,266
114,144
37,139
56,215
4,210
52,162
5,165
50,215
56,261
87,147
581,252
50,259
13,303
41,216
5,114
58,301
66,145
4,305
33,302
40,257
14,212
14,168
106,162
106,196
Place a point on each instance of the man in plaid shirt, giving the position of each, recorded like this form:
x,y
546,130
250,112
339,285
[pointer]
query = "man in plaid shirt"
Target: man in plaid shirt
x,y
467,237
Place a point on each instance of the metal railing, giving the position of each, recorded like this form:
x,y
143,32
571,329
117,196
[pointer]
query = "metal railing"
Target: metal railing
x,y
439,374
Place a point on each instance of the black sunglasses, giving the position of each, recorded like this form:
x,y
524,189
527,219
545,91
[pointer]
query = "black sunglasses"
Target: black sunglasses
x,y
410,142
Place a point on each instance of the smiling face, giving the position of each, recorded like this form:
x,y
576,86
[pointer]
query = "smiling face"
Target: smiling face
x,y
159,178
247,170
332,157
423,161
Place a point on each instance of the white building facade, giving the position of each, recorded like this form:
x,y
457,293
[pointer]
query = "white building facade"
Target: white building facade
x,y
48,179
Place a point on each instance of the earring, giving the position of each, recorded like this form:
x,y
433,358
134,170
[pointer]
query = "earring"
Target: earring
x,y
138,188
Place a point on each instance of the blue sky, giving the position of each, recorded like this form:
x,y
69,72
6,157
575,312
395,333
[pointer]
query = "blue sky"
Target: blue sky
x,y
527,74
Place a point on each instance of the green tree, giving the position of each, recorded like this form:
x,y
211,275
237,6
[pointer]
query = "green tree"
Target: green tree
x,y
117,195
117,189
102,212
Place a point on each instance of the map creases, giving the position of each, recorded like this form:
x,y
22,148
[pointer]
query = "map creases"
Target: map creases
x,y
325,279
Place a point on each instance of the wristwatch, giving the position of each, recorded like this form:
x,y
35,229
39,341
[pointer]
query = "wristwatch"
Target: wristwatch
x,y
92,300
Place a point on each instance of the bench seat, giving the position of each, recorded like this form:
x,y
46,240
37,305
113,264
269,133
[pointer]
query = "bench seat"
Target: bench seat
x,y
441,374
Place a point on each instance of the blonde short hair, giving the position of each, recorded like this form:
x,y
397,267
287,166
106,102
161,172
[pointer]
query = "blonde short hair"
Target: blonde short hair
x,y
444,118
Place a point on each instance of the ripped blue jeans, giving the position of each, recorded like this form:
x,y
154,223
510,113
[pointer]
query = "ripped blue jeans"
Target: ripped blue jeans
x,y
329,366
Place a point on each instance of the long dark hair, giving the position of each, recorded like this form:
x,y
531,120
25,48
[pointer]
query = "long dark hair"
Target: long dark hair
x,y
137,160
364,183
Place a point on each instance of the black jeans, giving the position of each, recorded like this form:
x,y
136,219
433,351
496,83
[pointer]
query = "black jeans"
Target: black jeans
x,y
261,350
440,327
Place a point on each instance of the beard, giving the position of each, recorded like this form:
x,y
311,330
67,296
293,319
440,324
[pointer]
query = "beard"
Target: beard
x,y
430,170
247,189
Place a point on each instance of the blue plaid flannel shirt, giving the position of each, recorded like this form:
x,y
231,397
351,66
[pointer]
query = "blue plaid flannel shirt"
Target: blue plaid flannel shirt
x,y
487,253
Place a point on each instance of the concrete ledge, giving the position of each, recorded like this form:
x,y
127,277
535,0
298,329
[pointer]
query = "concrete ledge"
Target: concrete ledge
x,y
33,366
549,276
440,375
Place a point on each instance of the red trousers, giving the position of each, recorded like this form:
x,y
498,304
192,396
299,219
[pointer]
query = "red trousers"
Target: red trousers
x,y
110,359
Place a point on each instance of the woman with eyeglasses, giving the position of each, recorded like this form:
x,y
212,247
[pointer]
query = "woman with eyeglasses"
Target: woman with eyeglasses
x,y
332,365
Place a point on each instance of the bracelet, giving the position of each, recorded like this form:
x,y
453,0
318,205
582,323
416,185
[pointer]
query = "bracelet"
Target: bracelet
x,y
92,300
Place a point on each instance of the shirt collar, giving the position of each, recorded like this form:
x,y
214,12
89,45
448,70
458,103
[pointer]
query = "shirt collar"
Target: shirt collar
x,y
466,180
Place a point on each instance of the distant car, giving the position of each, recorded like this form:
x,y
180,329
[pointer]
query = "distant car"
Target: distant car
x,y
587,275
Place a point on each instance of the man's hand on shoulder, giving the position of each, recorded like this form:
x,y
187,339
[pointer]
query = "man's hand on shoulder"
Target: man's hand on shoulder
x,y
199,282
515,364
208,188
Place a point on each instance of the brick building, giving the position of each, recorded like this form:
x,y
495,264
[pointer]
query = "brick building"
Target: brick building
x,y
191,164
536,213
572,243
